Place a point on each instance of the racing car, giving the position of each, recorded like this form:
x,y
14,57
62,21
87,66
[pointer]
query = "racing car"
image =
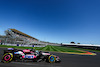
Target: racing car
x,y
11,54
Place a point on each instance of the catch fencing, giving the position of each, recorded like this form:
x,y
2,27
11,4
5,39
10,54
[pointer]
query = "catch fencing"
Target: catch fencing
x,y
22,45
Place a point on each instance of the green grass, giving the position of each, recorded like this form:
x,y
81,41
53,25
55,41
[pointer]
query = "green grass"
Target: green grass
x,y
64,49
85,49
57,49
48,48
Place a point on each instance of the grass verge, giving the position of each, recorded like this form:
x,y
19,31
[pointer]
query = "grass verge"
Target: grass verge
x,y
47,48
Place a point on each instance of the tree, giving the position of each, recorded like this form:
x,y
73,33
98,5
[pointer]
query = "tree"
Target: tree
x,y
72,42
78,43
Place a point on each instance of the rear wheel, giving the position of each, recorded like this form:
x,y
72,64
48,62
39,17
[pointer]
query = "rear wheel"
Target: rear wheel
x,y
7,57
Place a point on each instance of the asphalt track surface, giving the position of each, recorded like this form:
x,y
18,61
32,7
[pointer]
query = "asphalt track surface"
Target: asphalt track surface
x,y
68,60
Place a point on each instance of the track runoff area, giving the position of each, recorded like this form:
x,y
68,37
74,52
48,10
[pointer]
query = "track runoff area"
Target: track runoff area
x,y
69,58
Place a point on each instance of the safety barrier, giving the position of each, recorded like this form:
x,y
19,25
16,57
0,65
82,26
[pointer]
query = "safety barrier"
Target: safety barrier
x,y
24,45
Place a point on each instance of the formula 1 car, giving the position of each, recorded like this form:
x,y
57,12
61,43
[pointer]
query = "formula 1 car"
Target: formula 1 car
x,y
12,54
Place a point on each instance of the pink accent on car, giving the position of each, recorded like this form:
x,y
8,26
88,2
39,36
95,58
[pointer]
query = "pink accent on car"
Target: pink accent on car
x,y
6,59
34,56
23,56
45,53
32,52
26,51
57,57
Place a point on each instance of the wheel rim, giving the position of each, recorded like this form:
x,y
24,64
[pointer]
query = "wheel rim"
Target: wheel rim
x,y
7,57
51,58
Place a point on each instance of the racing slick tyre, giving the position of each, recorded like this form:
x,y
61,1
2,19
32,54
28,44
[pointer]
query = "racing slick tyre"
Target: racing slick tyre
x,y
51,59
7,57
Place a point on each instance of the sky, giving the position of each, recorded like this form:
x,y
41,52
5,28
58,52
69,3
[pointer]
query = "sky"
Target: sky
x,y
57,21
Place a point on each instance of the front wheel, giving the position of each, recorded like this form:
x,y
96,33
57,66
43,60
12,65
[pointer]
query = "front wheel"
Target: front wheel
x,y
7,57
51,59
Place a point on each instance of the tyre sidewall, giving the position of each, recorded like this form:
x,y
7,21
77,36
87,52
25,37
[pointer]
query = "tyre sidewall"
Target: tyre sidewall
x,y
11,57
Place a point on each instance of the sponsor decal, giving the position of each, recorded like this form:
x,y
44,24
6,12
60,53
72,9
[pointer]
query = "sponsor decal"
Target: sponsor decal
x,y
29,56
19,52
